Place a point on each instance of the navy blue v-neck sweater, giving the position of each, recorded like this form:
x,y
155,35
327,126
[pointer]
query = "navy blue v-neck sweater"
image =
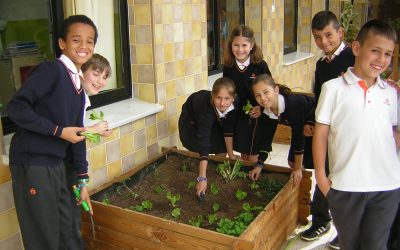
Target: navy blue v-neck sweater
x,y
46,103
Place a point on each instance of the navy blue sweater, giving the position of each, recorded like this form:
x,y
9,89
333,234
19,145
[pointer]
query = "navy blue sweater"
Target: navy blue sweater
x,y
46,103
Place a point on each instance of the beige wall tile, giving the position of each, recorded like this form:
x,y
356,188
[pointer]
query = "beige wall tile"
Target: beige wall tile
x,y
9,224
162,115
160,72
196,12
151,134
196,30
179,51
189,85
161,93
146,92
114,169
138,124
125,129
127,144
188,49
145,74
142,14
187,12
143,34
157,13
169,71
163,143
128,162
167,13
113,150
169,52
173,124
139,139
187,31
177,12
140,156
162,129
5,174
158,33
149,120
113,136
144,54
180,70
13,242
178,32
6,194
180,86
99,176
171,107
98,156
170,89
168,34
179,102
152,151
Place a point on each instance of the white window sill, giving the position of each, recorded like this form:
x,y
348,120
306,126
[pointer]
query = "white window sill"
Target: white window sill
x,y
295,57
116,114
124,112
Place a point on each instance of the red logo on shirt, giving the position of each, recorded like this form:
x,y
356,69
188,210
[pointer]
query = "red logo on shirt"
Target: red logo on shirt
x,y
32,191
253,76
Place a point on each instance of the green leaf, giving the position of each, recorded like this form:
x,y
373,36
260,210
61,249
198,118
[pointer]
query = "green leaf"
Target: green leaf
x,y
96,116
215,207
159,189
214,189
247,107
184,168
212,218
176,212
191,184
92,137
240,195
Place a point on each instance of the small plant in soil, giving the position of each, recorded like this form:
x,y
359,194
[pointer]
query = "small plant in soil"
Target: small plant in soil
x,y
254,185
215,207
106,201
227,171
248,208
214,189
240,195
184,168
123,186
159,189
191,184
173,199
269,188
176,212
212,218
145,205
242,174
196,222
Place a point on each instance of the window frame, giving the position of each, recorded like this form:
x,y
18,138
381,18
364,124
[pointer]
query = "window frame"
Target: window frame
x,y
56,15
217,68
296,21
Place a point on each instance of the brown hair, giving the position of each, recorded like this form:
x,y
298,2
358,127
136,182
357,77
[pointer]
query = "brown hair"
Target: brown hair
x,y
256,55
323,19
377,28
267,79
226,83
97,62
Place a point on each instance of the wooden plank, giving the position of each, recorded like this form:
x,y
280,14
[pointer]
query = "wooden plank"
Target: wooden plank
x,y
283,233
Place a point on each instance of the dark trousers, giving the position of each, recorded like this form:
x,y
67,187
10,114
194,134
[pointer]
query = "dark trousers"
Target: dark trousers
x,y
394,237
319,205
43,206
363,219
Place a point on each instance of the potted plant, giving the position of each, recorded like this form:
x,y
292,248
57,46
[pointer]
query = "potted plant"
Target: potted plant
x,y
348,20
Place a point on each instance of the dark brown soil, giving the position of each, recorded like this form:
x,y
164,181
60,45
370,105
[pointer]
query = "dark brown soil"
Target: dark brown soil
x,y
169,175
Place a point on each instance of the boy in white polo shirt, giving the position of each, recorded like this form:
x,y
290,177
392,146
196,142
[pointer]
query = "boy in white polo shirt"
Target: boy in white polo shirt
x,y
355,119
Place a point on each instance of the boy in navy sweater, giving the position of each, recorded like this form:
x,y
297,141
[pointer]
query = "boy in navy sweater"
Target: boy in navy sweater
x,y
49,111
338,57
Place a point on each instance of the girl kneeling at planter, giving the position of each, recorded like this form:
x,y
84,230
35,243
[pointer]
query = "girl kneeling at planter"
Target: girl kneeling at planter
x,y
206,125
289,109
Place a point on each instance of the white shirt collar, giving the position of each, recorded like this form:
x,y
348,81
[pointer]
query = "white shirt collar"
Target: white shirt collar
x,y
351,78
341,47
244,64
281,108
223,114
76,74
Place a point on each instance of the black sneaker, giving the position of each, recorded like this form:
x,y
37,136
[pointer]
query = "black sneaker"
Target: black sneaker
x,y
314,232
334,244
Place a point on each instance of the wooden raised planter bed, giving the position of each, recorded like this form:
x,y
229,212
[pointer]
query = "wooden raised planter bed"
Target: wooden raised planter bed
x,y
118,228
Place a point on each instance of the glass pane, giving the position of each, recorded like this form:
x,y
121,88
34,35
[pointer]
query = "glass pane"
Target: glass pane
x,y
25,41
290,39
210,33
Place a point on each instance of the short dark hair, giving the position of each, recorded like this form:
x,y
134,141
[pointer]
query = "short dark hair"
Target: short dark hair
x,y
376,27
97,62
77,19
323,19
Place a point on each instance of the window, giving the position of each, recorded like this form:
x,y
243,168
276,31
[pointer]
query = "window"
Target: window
x,y
222,17
290,27
29,38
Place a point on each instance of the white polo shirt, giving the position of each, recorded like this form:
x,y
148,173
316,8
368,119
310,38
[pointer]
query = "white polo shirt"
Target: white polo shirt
x,y
361,146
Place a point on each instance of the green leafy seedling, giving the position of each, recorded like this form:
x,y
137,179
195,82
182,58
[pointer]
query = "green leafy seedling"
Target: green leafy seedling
x,y
214,189
184,168
91,136
246,108
254,185
228,172
240,195
145,205
212,218
215,207
106,201
173,198
176,212
97,116
159,189
241,174
191,184
196,222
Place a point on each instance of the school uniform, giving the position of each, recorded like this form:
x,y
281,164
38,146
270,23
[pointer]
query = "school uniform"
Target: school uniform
x,y
252,136
363,164
49,101
294,110
326,69
202,127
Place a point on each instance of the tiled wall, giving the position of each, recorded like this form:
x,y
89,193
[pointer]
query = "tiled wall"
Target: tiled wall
x,y
169,62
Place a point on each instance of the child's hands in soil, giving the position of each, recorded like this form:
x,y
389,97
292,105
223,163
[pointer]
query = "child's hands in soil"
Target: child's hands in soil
x,y
85,197
71,134
255,112
201,188
255,173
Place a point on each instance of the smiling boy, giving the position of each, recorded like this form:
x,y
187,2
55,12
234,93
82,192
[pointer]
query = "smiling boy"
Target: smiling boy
x,y
49,111
355,118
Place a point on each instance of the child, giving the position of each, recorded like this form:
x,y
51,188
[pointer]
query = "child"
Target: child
x,y
206,125
243,61
95,71
49,111
356,113
291,109
337,58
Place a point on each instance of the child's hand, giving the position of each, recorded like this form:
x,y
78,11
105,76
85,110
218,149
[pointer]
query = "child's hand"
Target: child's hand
x,y
233,157
85,197
71,134
255,173
100,128
308,130
201,187
255,112
297,175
